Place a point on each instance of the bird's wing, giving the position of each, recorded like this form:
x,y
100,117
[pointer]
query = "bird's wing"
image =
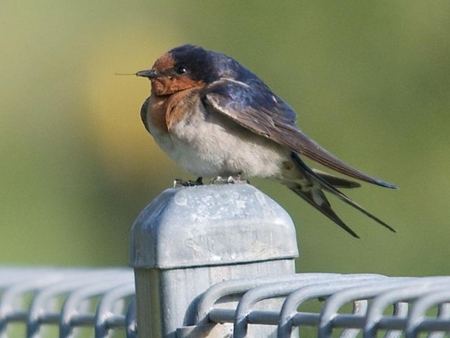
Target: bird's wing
x,y
266,114
144,109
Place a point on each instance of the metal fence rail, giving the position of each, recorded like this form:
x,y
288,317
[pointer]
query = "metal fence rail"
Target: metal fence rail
x,y
350,305
101,300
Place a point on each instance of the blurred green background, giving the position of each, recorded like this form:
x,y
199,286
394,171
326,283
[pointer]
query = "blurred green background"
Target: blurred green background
x,y
369,80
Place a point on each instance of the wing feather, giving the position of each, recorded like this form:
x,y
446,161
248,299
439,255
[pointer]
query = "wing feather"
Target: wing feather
x,y
266,114
144,113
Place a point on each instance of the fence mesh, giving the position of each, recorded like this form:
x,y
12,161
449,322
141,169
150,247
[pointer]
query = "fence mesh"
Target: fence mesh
x,y
52,302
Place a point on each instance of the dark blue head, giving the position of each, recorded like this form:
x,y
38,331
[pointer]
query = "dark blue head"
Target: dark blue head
x,y
190,66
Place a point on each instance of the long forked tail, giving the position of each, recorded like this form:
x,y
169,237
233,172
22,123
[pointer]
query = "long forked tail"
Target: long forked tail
x,y
316,197
318,200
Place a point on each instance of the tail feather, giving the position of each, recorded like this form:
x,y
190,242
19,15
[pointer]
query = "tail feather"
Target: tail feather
x,y
321,203
336,181
318,183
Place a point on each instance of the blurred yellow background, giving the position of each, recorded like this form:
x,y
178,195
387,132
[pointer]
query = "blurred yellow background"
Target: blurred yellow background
x,y
369,80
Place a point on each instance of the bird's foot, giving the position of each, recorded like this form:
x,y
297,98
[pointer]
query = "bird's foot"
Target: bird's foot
x,y
218,180
178,182
230,180
237,180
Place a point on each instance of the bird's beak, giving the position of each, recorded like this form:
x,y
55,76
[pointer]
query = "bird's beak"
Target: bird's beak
x,y
150,73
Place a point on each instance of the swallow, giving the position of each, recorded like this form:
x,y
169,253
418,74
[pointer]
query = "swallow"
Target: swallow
x,y
215,118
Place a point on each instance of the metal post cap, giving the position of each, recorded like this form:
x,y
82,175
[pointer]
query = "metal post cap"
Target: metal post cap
x,y
211,225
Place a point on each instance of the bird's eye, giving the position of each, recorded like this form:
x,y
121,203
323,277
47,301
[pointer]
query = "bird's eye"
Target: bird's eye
x,y
181,70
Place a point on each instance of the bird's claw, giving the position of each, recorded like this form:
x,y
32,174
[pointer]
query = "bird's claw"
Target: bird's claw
x,y
230,180
237,180
217,180
178,182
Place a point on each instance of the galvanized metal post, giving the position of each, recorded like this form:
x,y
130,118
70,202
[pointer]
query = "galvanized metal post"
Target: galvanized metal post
x,y
188,239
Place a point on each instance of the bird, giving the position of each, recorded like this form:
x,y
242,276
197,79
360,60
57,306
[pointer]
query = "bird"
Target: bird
x,y
215,118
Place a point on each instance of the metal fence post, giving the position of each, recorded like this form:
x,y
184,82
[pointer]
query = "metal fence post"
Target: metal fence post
x,y
188,239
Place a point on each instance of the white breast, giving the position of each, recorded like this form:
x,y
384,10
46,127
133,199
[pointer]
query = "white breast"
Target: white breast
x,y
209,144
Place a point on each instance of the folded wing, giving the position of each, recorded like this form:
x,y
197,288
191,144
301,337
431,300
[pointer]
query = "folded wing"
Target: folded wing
x,y
264,113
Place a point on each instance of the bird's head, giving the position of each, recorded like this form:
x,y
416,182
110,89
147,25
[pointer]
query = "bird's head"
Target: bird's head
x,y
179,69
189,66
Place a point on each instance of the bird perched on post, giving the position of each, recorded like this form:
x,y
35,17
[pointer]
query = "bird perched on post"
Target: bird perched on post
x,y
215,118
